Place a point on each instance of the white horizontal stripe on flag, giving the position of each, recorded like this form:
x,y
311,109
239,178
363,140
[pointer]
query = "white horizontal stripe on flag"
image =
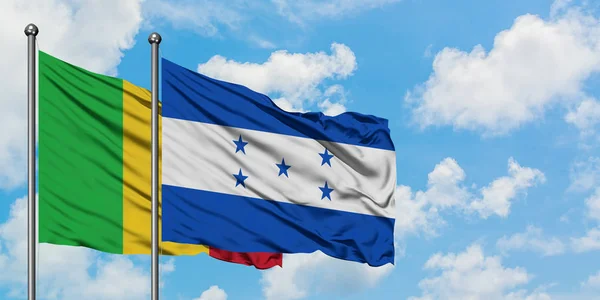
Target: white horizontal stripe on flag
x,y
202,156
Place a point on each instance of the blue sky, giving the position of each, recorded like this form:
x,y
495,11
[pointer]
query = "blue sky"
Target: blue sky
x,y
492,106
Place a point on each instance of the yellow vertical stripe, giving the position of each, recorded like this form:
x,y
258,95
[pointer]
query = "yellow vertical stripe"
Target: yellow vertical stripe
x,y
136,176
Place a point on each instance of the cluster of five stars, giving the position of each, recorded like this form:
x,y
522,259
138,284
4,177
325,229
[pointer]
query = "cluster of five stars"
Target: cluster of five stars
x,y
283,168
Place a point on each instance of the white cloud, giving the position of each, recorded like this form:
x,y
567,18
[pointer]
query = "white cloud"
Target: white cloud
x,y
585,175
316,272
333,104
524,295
588,291
168,266
593,282
69,30
286,105
532,66
592,204
67,272
444,189
496,197
213,293
533,240
164,269
117,278
331,109
420,212
427,53
201,16
293,79
217,18
586,117
261,42
589,242
210,17
415,214
301,11
472,275
559,6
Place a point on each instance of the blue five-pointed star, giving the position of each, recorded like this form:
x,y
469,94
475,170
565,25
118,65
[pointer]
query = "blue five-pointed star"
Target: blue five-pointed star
x,y
326,157
326,191
283,168
239,145
239,179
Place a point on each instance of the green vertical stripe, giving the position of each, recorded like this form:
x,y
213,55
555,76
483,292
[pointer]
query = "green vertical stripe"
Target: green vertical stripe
x,y
80,157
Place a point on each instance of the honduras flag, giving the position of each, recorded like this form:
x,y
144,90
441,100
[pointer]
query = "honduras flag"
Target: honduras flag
x,y
240,174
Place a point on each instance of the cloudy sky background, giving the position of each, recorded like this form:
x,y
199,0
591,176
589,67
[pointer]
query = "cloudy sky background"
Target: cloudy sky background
x,y
493,108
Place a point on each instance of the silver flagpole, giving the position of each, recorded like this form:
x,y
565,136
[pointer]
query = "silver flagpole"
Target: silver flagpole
x,y
154,39
31,32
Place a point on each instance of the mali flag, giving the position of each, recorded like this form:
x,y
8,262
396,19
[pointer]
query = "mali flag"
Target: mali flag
x,y
94,166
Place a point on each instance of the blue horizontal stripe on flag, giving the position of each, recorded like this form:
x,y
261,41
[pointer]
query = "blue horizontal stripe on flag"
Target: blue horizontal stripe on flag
x,y
191,96
243,224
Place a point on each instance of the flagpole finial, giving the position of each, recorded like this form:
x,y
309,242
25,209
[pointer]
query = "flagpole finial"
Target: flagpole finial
x,y
154,38
31,29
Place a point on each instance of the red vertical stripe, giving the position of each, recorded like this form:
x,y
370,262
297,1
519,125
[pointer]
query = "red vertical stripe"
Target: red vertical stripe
x,y
260,260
